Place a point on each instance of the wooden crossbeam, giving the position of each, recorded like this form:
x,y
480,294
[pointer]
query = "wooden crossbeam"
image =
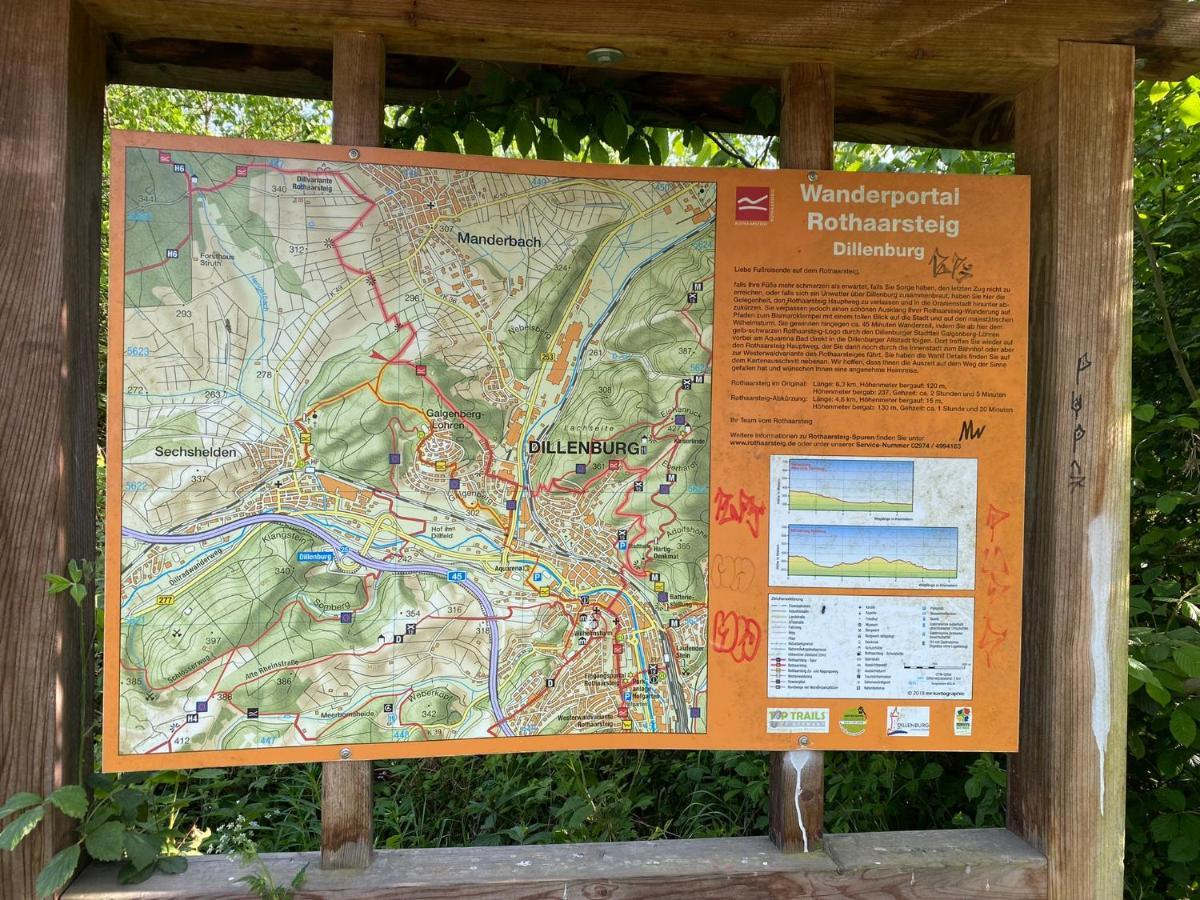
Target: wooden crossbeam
x,y
952,45
989,863
871,113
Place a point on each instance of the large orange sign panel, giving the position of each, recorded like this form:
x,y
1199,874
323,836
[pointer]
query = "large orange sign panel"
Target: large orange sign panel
x,y
415,454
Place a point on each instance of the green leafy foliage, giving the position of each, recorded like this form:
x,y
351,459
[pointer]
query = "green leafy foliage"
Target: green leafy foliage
x,y
126,818
76,582
106,842
1163,811
58,871
18,829
544,114
18,802
71,799
261,882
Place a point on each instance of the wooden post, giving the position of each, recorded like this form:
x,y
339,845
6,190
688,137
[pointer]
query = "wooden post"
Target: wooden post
x,y
347,832
358,79
806,117
52,69
797,788
1067,785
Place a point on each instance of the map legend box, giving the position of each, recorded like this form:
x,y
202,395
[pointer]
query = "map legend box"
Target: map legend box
x,y
858,647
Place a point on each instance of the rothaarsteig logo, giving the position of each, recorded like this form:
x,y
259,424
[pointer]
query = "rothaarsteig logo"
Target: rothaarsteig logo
x,y
752,205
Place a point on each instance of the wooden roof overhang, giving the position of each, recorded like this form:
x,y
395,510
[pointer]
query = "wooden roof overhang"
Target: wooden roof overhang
x,y
938,73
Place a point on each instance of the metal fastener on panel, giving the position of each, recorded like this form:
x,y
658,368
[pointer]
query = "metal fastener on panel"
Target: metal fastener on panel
x,y
353,155
812,176
804,740
605,56
345,754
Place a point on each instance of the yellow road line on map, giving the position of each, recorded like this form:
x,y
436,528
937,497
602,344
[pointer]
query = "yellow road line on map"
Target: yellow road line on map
x,y
341,292
424,291
191,583
413,538
541,189
583,282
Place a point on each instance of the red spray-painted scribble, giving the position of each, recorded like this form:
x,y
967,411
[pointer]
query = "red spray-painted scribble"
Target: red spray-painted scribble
x,y
737,635
994,566
994,518
747,509
992,638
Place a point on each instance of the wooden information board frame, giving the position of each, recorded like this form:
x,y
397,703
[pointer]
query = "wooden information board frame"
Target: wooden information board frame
x,y
903,73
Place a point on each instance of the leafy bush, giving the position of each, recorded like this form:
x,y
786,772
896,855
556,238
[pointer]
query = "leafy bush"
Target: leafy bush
x,y
1163,811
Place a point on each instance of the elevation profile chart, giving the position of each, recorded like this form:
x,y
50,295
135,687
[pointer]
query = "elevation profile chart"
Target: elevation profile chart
x,y
873,522
872,551
847,485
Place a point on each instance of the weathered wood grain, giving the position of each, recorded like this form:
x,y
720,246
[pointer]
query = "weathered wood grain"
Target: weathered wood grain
x,y
1066,788
866,111
347,828
806,116
986,46
358,80
52,72
796,797
797,810
347,806
917,864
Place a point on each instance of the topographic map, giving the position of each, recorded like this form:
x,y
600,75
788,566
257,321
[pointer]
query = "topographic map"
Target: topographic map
x,y
410,454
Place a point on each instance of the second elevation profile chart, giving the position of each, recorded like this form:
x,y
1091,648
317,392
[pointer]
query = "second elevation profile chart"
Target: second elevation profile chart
x,y
872,551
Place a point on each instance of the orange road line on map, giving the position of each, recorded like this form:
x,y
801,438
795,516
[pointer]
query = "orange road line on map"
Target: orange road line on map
x,y
346,393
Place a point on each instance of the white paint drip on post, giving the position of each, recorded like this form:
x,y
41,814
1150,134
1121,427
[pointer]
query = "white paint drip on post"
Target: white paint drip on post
x,y
798,759
1100,559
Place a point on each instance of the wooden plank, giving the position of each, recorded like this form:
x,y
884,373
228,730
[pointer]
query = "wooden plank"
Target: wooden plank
x,y
52,69
796,800
981,46
796,795
347,804
806,116
1066,786
358,78
916,864
347,830
867,112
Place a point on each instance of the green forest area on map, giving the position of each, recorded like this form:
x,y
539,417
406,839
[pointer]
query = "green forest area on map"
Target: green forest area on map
x,y
410,454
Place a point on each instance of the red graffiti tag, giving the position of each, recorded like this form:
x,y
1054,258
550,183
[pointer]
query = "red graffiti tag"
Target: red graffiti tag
x,y
995,565
736,635
994,518
747,509
992,638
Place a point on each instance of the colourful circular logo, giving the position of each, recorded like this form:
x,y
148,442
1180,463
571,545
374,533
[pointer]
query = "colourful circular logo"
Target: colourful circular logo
x,y
853,721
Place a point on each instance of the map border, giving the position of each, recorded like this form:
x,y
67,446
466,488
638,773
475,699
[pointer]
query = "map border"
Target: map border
x,y
115,761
